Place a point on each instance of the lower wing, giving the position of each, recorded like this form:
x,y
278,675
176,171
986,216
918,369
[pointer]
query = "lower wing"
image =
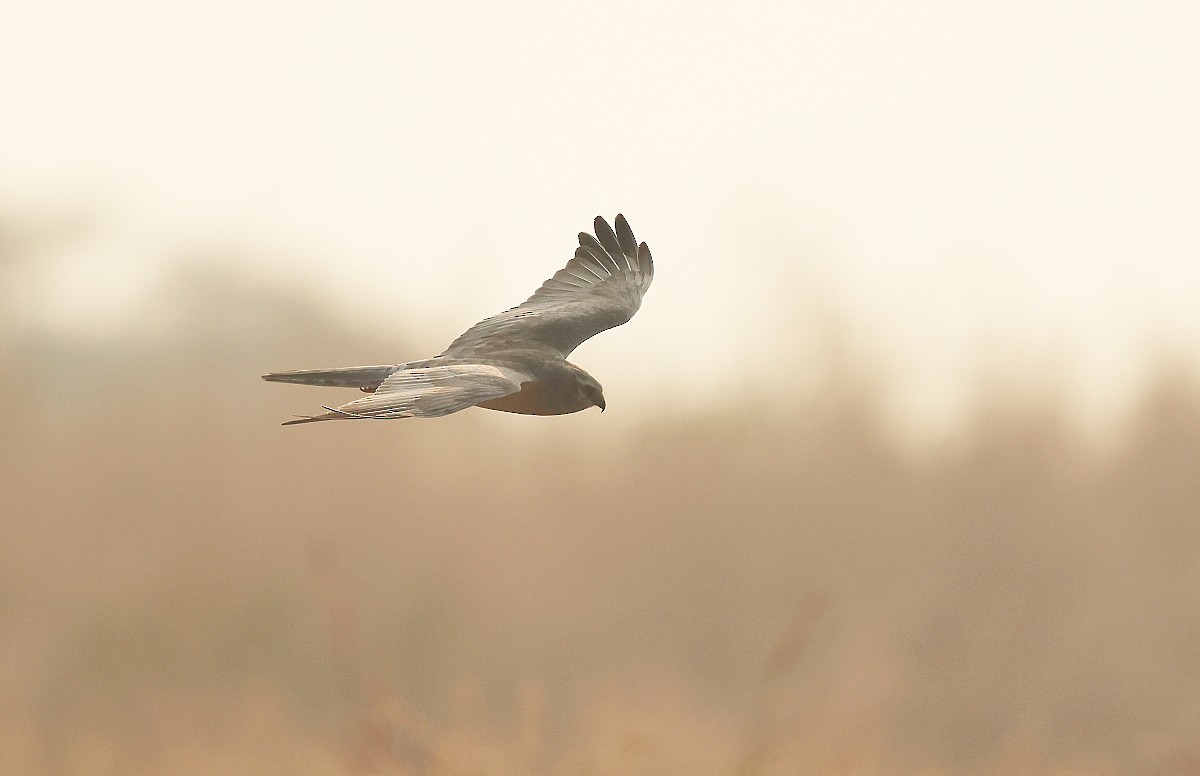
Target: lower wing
x,y
428,392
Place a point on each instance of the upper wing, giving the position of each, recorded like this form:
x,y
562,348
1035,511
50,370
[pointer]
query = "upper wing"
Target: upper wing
x,y
600,288
433,391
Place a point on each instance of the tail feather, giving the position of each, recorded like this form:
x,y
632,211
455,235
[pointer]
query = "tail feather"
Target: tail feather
x,y
365,377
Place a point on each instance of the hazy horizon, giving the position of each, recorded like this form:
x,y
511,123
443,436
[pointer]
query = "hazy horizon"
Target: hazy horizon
x,y
970,189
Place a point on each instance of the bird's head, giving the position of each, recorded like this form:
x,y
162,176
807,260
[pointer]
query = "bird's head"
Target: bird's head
x,y
590,392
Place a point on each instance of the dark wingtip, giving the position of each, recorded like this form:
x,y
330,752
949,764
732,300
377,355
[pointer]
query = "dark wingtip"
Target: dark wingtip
x,y
304,419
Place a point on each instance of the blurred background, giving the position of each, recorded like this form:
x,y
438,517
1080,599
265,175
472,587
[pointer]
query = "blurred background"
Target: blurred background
x,y
900,471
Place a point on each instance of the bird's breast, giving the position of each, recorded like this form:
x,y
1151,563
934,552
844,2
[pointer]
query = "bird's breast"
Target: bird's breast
x,y
534,398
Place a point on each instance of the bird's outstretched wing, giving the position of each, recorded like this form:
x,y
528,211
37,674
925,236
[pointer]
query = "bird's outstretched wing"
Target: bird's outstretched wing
x,y
429,392
601,287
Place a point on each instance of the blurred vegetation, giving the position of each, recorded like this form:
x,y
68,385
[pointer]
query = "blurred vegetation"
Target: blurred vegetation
x,y
186,587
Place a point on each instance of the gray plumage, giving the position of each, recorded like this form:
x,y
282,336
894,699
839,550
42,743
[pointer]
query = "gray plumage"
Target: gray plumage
x,y
514,361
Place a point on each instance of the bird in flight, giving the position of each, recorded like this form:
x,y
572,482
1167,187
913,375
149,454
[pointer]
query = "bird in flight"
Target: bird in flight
x,y
515,361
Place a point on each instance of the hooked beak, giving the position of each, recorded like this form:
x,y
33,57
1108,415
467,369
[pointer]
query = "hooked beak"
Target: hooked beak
x,y
600,404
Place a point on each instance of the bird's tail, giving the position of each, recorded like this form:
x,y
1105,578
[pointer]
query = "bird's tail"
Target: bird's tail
x,y
366,377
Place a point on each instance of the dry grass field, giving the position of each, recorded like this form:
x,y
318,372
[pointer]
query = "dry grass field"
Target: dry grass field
x,y
187,588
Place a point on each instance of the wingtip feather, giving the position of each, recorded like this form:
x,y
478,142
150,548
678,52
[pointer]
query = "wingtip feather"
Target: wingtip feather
x,y
312,419
625,237
612,245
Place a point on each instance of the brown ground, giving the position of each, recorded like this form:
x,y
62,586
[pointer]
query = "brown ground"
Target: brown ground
x,y
187,588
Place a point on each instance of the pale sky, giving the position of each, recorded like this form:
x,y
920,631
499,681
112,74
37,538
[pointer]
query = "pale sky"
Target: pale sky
x,y
980,190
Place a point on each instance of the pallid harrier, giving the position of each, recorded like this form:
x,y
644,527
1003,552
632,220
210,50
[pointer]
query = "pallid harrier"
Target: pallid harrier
x,y
515,361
